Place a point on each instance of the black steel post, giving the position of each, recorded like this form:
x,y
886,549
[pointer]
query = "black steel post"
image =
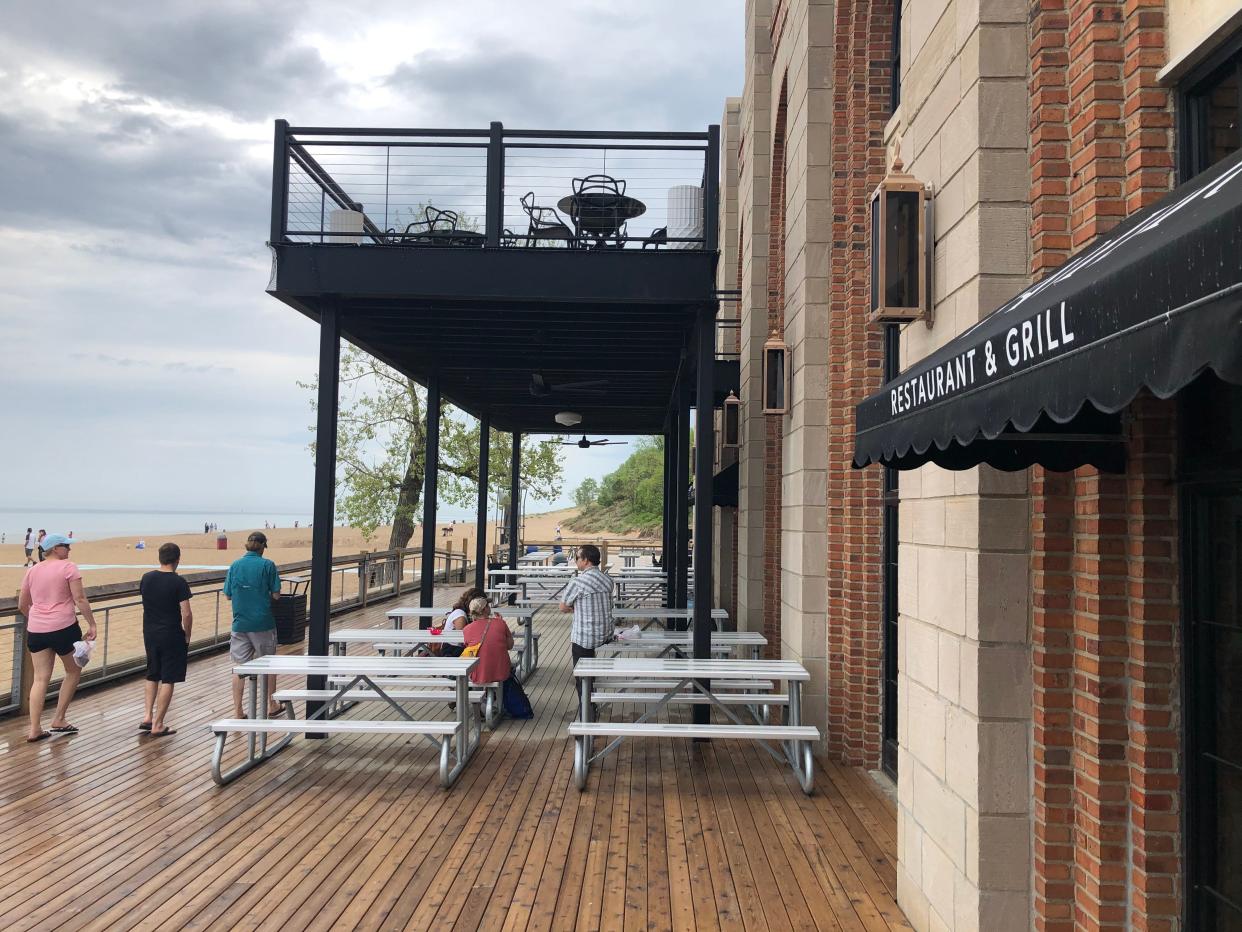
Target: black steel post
x,y
325,490
515,498
480,536
681,492
666,548
280,185
704,446
495,216
711,190
431,476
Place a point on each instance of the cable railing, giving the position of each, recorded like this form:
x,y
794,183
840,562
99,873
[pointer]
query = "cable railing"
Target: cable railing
x,y
358,580
495,188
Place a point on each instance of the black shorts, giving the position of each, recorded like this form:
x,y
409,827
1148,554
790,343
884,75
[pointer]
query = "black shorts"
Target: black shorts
x,y
167,655
60,641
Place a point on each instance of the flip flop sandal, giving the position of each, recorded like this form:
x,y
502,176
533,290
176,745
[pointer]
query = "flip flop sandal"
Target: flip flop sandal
x,y
65,730
163,734
42,737
145,726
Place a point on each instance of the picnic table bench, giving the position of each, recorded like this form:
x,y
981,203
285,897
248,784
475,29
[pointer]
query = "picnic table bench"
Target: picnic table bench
x,y
456,740
789,743
404,639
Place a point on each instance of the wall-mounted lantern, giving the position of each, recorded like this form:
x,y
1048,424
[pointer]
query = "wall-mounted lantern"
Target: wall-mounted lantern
x,y
899,260
775,375
731,423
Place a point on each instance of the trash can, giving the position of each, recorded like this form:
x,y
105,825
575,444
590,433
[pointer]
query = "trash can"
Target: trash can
x,y
222,542
290,613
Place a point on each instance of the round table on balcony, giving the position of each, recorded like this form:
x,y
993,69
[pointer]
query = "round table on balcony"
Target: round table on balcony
x,y
600,214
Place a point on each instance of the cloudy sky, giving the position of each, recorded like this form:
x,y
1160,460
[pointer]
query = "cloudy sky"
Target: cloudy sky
x,y
143,365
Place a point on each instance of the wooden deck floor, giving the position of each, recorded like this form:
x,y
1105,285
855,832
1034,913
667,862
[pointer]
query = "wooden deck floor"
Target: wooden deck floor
x,y
110,830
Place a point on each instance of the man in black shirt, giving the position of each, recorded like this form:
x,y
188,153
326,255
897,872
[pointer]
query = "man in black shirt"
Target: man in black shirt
x,y
166,623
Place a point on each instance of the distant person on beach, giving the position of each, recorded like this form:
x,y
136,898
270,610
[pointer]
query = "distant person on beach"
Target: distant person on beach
x,y
206,528
50,591
252,584
31,543
166,624
39,543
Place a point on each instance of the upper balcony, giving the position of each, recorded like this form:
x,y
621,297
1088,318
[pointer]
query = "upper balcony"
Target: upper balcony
x,y
495,214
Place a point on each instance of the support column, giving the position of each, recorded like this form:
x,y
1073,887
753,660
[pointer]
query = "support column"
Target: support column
x,y
480,536
431,475
515,498
704,446
666,547
325,490
681,488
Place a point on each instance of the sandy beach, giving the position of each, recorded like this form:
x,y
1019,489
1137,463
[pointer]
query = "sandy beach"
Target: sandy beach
x,y
115,559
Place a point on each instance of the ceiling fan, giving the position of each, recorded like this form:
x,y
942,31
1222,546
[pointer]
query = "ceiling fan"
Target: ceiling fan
x,y
587,444
542,388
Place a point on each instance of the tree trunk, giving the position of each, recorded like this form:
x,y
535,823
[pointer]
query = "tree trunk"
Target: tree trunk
x,y
410,492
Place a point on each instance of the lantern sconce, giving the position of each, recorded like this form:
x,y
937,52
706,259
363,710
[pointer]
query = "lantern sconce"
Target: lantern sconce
x,y
731,423
775,375
900,248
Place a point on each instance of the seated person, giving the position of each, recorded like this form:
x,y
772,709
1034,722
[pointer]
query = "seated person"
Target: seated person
x,y
456,619
495,640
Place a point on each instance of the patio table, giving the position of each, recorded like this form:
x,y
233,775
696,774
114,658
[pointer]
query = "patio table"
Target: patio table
x,y
600,214
354,671
657,613
528,659
794,740
680,643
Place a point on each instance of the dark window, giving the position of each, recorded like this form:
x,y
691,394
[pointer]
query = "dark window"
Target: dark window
x,y
1210,112
1212,569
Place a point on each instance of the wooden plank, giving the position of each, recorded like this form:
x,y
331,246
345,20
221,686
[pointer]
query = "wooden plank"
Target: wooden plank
x,y
356,832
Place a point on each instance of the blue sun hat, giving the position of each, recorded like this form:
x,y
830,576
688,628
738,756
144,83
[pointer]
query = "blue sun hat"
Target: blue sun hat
x,y
55,540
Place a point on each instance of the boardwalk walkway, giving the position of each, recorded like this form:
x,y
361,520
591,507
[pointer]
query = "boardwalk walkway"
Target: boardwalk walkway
x,y
109,830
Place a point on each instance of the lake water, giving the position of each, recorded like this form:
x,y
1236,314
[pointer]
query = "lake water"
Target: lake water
x,y
93,524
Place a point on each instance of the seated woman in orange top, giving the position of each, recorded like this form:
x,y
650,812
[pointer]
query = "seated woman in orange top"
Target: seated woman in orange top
x,y
495,639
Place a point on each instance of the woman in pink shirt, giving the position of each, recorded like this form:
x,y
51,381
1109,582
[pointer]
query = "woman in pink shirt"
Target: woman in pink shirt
x,y
50,591
495,640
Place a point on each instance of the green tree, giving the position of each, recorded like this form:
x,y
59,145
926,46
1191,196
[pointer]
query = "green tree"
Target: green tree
x,y
586,493
632,496
381,436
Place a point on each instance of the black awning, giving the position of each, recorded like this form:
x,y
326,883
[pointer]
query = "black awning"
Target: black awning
x,y
1152,304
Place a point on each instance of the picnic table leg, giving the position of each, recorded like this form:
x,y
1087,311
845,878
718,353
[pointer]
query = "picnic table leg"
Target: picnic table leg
x,y
802,759
582,744
253,705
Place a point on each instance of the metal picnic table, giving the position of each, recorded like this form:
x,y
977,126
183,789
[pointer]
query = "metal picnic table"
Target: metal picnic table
x,y
793,740
681,643
664,615
456,741
528,652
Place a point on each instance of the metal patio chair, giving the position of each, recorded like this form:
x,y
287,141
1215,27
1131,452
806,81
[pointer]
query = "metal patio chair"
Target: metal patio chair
x,y
545,223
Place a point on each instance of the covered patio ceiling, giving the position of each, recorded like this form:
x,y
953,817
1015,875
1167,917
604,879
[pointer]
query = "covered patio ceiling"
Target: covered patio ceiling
x,y
487,353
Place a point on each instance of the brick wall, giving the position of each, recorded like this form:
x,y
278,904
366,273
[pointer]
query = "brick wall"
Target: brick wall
x,y
1106,718
1107,849
862,76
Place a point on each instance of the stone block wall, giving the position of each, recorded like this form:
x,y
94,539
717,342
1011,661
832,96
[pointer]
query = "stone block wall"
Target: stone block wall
x,y
964,688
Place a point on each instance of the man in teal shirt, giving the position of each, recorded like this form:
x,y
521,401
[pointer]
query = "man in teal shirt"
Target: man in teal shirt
x,y
252,584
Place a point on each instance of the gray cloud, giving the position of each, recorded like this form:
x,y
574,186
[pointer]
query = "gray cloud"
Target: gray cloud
x,y
134,140
237,57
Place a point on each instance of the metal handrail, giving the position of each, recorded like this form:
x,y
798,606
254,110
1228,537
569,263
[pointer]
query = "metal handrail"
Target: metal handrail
x,y
377,576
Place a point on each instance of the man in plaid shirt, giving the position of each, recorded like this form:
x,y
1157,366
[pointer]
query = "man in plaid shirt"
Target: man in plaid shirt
x,y
589,597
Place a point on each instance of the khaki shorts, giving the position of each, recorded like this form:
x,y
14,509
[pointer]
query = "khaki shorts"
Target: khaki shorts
x,y
244,646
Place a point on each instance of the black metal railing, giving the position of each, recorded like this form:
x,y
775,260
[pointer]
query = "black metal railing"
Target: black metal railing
x,y
495,188
729,325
